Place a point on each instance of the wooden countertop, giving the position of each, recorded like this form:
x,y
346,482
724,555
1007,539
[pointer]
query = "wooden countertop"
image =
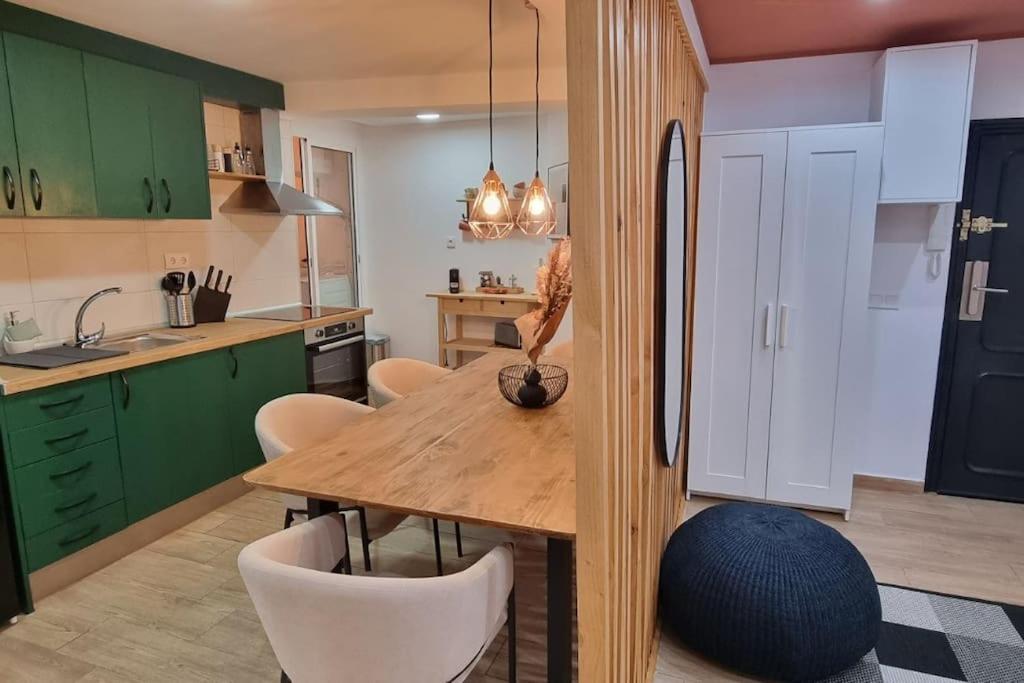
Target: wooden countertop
x,y
526,296
456,450
204,337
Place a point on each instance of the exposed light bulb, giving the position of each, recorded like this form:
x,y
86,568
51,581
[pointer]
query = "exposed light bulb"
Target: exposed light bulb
x,y
537,205
491,205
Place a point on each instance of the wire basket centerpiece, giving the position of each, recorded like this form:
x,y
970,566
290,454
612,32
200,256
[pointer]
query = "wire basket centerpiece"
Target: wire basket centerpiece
x,y
533,386
536,385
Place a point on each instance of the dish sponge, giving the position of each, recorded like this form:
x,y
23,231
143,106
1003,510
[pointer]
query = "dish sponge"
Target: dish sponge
x,y
23,331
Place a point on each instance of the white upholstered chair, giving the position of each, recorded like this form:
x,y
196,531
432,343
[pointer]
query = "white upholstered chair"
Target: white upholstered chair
x,y
300,420
325,626
393,378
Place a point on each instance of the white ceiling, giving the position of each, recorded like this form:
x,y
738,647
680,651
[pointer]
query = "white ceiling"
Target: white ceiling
x,y
326,40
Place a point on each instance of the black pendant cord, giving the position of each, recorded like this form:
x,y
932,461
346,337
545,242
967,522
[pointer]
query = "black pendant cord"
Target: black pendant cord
x,y
536,101
490,76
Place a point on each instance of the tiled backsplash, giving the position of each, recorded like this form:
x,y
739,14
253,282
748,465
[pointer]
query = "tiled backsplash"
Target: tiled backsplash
x,y
48,267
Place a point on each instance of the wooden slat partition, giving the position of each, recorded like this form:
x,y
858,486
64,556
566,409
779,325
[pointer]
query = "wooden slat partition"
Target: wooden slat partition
x,y
631,70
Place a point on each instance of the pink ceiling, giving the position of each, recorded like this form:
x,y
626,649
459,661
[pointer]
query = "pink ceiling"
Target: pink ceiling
x,y
746,30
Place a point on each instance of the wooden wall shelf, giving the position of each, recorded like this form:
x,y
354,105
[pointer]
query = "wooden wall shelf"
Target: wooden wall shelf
x,y
223,175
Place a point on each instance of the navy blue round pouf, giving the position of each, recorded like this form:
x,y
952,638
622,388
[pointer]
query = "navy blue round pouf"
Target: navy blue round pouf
x,y
770,592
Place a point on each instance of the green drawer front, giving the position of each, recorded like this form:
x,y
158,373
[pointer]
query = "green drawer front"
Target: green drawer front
x,y
61,436
54,403
64,488
54,544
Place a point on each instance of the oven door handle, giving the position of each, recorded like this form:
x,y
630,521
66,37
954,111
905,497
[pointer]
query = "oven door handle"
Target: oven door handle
x,y
339,344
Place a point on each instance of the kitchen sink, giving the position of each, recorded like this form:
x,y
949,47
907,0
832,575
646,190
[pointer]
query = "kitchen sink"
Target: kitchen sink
x,y
140,342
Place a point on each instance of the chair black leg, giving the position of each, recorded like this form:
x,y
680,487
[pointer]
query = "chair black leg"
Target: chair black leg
x,y
437,548
284,678
365,538
458,538
347,560
289,517
510,627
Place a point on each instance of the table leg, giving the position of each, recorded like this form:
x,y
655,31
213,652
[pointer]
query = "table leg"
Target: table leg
x,y
316,507
559,610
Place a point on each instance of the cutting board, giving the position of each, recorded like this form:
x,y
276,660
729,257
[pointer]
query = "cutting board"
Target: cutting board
x,y
57,357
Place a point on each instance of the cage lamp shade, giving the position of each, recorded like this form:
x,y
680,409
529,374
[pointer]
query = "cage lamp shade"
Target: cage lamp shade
x,y
490,216
537,214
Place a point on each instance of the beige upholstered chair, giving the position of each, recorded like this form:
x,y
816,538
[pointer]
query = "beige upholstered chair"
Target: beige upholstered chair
x,y
325,626
300,420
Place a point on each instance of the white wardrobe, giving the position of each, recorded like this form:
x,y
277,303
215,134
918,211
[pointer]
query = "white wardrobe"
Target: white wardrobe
x,y
784,241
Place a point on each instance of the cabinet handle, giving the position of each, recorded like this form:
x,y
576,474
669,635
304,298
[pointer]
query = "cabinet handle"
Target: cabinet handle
x,y
149,195
74,435
127,391
66,401
167,192
63,473
77,504
9,187
783,326
37,189
769,325
234,359
79,536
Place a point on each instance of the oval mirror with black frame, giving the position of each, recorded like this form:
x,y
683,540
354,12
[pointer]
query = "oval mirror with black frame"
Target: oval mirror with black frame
x,y
670,299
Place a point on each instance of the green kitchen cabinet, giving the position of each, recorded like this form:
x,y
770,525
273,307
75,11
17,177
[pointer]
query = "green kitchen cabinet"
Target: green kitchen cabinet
x,y
259,372
51,123
172,429
11,202
122,145
179,147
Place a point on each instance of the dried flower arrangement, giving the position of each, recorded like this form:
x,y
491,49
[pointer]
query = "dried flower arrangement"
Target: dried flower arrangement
x,y
554,291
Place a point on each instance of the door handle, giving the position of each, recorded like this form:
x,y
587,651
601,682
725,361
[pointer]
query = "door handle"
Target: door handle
x,y
769,325
9,194
37,189
989,290
783,326
149,194
167,192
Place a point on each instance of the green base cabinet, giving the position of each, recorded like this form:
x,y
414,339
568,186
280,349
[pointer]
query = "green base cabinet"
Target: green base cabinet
x,y
172,430
261,371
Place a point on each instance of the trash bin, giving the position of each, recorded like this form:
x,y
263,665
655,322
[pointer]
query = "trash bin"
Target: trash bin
x,y
378,347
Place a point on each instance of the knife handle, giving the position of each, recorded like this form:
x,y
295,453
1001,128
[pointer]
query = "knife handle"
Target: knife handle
x,y
209,276
216,285
227,284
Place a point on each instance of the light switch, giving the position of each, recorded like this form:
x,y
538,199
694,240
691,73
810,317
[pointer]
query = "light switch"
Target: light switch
x,y
451,243
886,301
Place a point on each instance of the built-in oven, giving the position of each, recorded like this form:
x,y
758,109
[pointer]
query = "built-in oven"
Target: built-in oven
x,y
336,360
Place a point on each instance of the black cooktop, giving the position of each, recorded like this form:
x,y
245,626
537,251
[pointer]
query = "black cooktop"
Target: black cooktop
x,y
296,313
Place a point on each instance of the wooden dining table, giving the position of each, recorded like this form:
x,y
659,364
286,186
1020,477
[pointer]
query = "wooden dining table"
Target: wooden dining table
x,y
458,451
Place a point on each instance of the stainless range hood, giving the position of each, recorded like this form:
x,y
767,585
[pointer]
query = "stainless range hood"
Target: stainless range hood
x,y
272,196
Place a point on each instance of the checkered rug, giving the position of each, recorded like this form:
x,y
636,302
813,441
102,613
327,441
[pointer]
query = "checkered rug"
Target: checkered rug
x,y
931,638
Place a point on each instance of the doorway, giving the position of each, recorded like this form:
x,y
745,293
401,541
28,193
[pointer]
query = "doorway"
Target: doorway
x,y
327,244
978,421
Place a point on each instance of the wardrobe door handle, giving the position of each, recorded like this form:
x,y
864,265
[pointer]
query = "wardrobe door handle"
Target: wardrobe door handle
x,y
71,470
67,437
127,391
37,189
78,537
77,504
149,195
64,402
783,326
234,359
769,325
9,187
167,192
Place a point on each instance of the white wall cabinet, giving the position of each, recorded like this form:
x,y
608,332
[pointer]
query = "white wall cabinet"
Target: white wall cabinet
x,y
784,240
923,96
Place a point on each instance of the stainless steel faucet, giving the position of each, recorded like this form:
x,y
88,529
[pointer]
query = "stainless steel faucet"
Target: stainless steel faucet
x,y
81,338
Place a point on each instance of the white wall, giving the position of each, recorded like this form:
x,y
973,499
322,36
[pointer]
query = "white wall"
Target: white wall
x,y
904,342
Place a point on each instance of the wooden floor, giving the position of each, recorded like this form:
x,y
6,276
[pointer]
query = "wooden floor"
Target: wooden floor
x,y
944,544
177,610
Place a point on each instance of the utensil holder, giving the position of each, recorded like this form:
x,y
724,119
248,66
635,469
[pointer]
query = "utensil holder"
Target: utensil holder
x,y
180,311
211,305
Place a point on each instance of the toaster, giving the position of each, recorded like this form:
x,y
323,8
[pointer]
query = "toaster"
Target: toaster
x,y
506,334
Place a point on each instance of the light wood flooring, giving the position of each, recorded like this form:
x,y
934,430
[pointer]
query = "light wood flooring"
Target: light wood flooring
x,y
177,610
945,544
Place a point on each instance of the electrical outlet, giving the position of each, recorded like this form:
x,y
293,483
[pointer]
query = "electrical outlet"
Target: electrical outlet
x,y
176,261
451,243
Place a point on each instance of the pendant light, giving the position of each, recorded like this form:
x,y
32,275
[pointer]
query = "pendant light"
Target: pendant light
x,y
537,214
490,217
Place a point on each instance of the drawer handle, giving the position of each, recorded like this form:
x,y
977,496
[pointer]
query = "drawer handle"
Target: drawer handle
x,y
63,473
57,404
79,536
74,435
78,503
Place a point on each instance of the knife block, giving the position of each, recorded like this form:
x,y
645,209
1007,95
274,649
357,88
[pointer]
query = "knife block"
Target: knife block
x,y
211,306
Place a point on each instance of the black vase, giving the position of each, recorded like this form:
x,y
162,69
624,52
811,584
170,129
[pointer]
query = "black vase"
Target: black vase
x,y
532,394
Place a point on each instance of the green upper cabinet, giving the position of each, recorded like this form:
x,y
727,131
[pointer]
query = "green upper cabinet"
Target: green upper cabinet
x,y
118,96
179,147
51,122
10,203
172,430
261,371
